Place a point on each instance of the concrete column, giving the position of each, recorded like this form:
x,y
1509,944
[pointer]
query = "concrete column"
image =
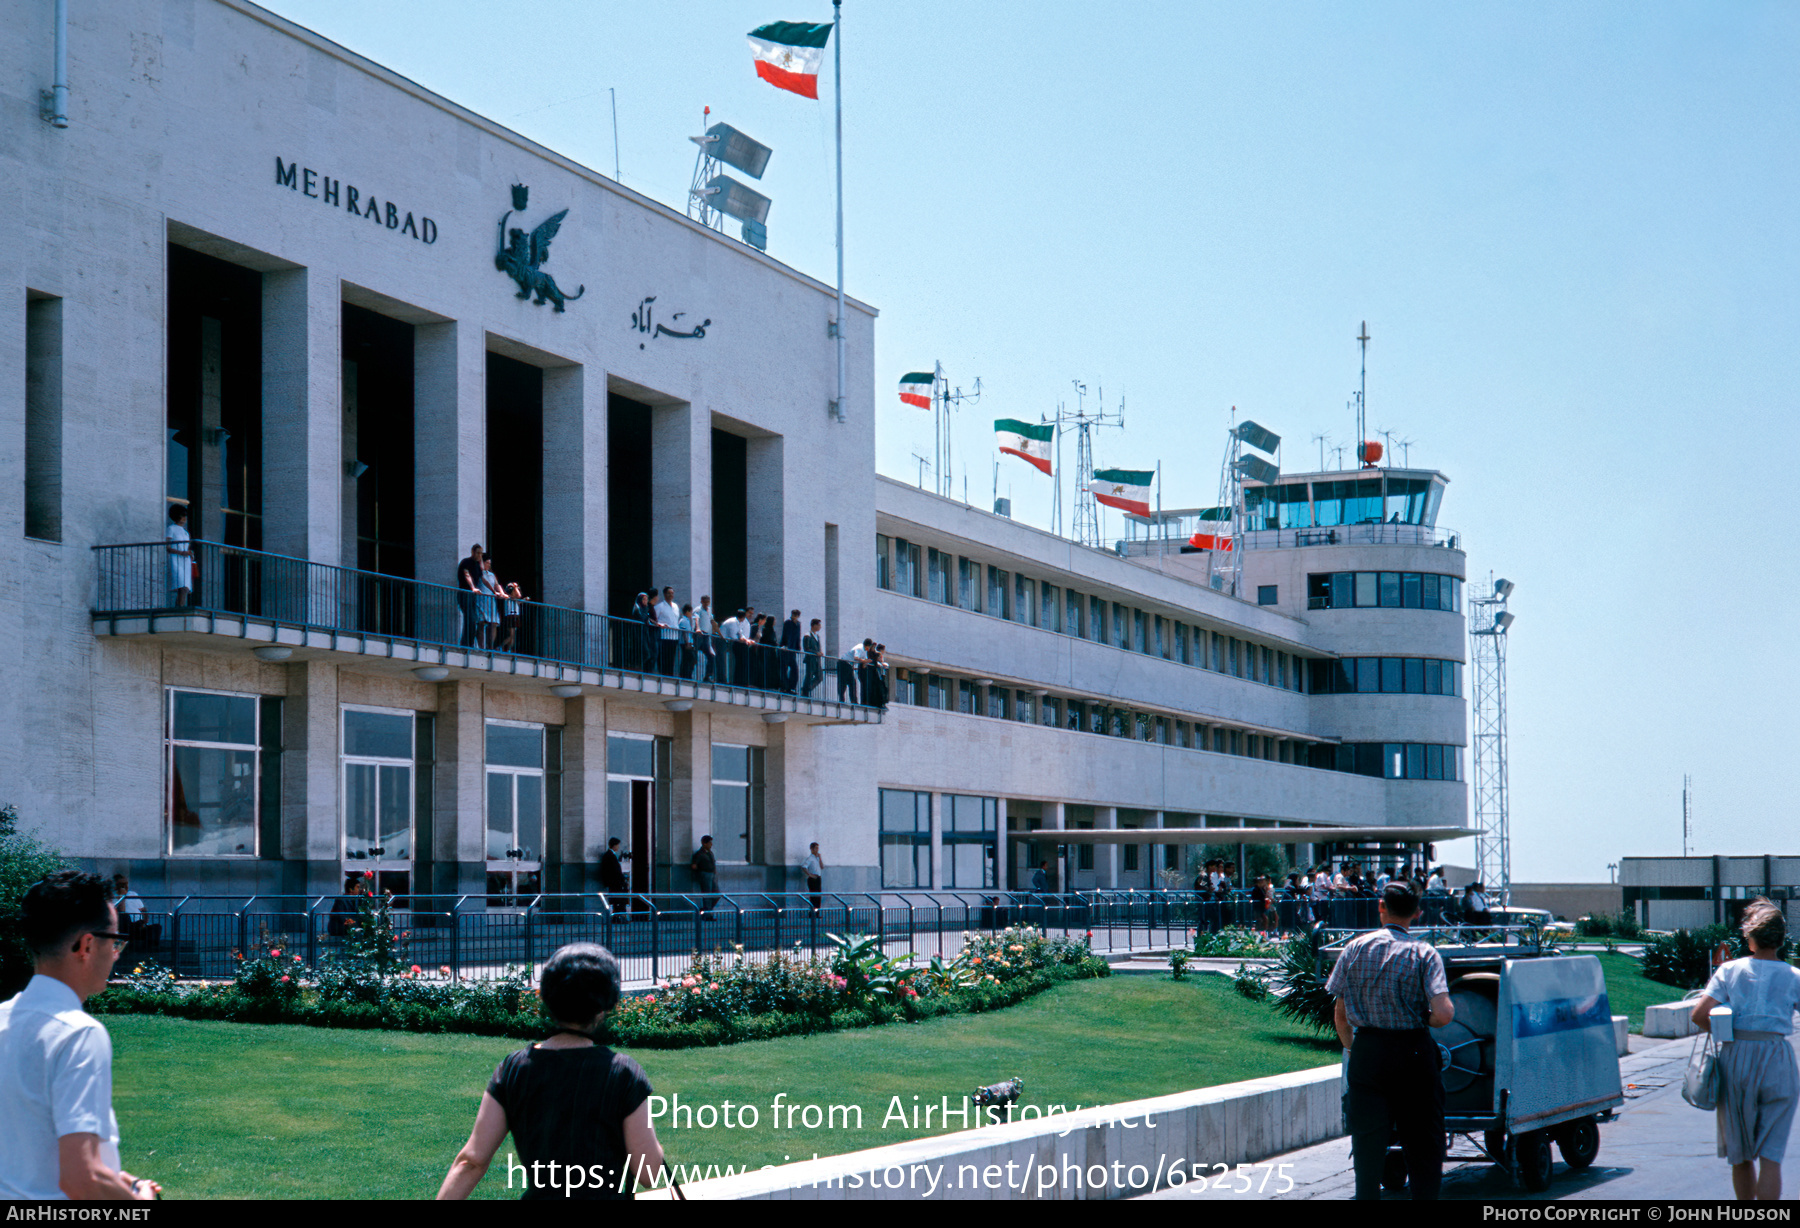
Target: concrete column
x,y
302,437
938,818
1000,845
207,522
347,499
1054,820
788,778
681,503
310,826
1156,851
584,792
574,489
765,555
450,447
459,792
690,806
1106,857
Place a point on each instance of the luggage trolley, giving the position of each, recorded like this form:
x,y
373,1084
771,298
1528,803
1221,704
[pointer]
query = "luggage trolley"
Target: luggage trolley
x,y
1529,1060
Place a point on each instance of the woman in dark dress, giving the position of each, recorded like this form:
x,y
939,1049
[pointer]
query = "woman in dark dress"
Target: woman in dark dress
x,y
768,649
567,1099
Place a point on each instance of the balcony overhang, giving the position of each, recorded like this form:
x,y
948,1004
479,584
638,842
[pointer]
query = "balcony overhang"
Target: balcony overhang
x,y
202,630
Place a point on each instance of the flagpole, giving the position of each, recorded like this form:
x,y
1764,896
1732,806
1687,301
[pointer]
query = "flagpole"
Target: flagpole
x,y
837,12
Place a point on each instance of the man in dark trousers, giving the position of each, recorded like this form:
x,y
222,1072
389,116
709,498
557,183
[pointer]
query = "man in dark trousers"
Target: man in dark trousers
x,y
815,660
706,631
612,880
790,653
706,875
468,585
1391,990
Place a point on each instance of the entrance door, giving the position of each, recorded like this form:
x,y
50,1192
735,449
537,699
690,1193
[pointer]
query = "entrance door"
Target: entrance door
x,y
643,837
377,800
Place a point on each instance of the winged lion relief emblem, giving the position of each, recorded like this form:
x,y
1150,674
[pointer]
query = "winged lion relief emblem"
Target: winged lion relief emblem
x,y
522,256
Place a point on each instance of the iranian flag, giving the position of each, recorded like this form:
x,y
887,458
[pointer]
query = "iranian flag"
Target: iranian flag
x,y
788,54
1024,440
915,388
1209,541
1126,489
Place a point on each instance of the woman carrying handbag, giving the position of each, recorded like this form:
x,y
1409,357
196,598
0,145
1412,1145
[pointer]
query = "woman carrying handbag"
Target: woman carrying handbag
x,y
1758,1081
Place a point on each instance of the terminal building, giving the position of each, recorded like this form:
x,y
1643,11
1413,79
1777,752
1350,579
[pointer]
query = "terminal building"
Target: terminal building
x,y
350,328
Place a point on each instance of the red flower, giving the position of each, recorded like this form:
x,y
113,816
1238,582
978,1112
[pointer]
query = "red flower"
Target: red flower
x,y
284,980
415,970
274,954
368,874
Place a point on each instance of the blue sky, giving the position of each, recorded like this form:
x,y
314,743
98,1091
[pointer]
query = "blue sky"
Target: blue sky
x,y
1571,228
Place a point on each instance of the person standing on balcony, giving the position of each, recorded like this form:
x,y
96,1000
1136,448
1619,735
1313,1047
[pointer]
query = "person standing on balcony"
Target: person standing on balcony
x,y
729,673
846,673
641,635
468,594
790,653
487,602
815,660
706,630
689,631
509,597
668,632
181,558
746,673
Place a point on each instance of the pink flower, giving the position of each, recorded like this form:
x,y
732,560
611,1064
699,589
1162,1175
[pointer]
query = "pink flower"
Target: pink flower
x,y
416,970
714,985
275,954
284,980
662,984
444,969
296,959
687,982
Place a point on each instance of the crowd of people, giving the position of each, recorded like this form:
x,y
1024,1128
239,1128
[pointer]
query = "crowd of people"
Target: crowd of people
x,y
746,648
1321,884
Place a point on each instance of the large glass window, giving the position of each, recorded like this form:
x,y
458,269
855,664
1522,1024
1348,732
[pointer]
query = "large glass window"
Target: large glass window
x,y
1096,620
378,788
1293,506
884,549
1071,612
937,567
1024,594
907,577
970,825
737,800
1409,590
968,697
996,592
998,697
212,745
905,839
515,812
1140,637
968,584
1121,626
1049,607
1393,760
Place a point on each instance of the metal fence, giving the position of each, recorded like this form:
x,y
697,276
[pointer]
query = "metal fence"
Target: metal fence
x,y
655,935
139,579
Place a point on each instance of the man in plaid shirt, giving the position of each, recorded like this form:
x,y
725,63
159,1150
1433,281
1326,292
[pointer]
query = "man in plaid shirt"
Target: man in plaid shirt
x,y
1390,989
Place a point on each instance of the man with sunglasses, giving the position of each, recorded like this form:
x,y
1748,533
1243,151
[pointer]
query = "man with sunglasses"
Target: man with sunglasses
x,y
62,1139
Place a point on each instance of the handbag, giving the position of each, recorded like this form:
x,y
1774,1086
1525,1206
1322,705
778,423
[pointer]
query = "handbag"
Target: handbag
x,y
1700,1086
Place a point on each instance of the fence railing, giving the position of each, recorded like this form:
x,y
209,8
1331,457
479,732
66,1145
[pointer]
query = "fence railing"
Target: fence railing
x,y
142,578
1353,535
654,935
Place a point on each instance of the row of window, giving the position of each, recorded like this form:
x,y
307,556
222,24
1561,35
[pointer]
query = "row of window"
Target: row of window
x,y
1393,760
1399,590
1300,505
1386,676
967,584
968,826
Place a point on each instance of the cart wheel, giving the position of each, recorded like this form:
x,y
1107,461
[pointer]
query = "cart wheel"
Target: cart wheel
x,y
1532,1160
1494,1143
1393,1172
1579,1142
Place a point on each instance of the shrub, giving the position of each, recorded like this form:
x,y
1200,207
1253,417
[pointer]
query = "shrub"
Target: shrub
x,y
1621,924
1298,985
1178,962
1684,958
23,861
1236,940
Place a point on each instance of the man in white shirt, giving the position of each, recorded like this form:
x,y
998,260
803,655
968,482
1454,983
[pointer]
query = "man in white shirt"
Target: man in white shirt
x,y
813,866
728,633
62,1139
668,619
846,671
704,631
181,557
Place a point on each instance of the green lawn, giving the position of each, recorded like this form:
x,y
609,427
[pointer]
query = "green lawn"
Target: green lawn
x,y
240,1110
1630,991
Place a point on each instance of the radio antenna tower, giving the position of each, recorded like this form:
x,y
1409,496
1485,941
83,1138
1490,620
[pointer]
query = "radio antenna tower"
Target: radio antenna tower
x,y
1489,620
1362,399
1687,812
1086,520
943,400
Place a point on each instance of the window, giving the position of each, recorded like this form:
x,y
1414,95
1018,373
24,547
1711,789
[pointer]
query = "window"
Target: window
x,y
1388,675
1140,634
1409,590
1393,760
213,759
44,419
906,568
937,568
1121,626
1022,707
737,802
1218,652
996,592
1049,607
942,692
1181,643
1084,856
1047,712
970,825
1391,675
1076,714
1096,620
1071,613
883,551
1232,656
377,762
1410,584
1163,643
997,702
1024,590
1131,857
1415,676
515,812
1266,594
968,584
968,698
905,839
1281,670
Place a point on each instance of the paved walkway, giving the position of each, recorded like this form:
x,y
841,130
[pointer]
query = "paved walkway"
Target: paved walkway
x,y
1658,1148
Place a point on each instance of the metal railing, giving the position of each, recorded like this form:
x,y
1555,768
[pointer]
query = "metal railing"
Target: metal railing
x,y
1353,535
656,935
138,579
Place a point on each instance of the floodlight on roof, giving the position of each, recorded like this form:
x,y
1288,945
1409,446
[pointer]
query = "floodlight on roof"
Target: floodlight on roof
x,y
733,148
1503,620
1257,469
730,197
1258,437
1503,589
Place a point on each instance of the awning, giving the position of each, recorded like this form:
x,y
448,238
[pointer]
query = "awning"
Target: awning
x,y
1242,835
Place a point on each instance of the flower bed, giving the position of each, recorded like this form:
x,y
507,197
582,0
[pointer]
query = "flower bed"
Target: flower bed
x,y
720,999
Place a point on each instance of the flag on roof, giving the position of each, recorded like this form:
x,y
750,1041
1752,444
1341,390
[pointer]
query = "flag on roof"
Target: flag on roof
x,y
1028,442
1126,489
788,54
915,388
1209,541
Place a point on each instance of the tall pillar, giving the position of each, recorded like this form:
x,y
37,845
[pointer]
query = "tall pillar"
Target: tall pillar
x,y
1054,820
347,500
1000,843
302,435
574,488
1106,869
584,793
449,447
690,803
309,774
1156,851
765,554
459,793
208,520
681,502
937,840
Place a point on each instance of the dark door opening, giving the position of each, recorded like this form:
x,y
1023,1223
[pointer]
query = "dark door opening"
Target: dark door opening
x,y
213,451
378,378
628,487
515,476
730,522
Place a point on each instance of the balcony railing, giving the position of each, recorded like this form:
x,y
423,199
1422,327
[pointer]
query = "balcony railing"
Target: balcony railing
x,y
1354,535
137,579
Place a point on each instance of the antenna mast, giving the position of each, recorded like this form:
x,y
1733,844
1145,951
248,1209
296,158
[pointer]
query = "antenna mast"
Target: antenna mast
x,y
1687,812
1362,396
943,400
1086,521
1488,623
